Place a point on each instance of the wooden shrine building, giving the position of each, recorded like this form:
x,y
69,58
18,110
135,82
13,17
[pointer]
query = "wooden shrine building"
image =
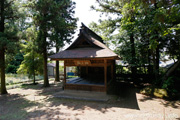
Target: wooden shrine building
x,y
95,62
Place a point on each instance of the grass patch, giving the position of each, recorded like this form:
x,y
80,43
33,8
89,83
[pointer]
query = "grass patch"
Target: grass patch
x,y
153,91
16,108
14,116
19,78
29,86
71,76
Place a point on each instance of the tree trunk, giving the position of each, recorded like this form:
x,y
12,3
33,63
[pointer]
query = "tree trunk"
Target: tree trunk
x,y
157,49
34,78
133,62
2,65
34,74
57,67
149,62
133,55
150,69
157,60
2,52
2,17
170,71
46,81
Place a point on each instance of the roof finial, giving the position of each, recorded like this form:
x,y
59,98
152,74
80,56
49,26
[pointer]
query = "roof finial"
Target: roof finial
x,y
82,25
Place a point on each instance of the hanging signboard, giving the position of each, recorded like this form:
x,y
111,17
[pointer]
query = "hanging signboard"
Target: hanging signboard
x,y
82,62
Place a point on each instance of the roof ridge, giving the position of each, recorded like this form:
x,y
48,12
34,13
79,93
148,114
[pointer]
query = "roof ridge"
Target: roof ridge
x,y
89,34
89,31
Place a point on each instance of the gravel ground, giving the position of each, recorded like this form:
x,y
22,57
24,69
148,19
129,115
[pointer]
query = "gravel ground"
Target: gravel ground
x,y
37,103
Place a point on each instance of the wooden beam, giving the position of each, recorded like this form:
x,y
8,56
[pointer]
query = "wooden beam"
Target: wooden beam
x,y
92,65
99,88
108,58
64,82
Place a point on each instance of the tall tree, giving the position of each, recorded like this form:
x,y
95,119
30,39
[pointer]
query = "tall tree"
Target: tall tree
x,y
64,36
32,63
143,30
162,15
125,17
50,18
65,25
8,34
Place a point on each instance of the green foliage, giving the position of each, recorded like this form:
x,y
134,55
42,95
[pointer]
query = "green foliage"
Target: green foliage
x,y
10,15
55,22
156,92
152,24
32,63
168,84
14,63
122,70
13,14
11,69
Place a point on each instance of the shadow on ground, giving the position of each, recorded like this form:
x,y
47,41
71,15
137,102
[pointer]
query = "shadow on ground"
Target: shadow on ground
x,y
15,106
126,98
166,103
12,107
59,107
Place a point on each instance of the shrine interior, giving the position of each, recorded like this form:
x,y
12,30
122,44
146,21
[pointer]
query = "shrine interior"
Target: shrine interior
x,y
89,76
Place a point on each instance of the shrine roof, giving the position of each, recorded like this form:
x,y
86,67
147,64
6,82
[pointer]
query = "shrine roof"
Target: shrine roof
x,y
87,45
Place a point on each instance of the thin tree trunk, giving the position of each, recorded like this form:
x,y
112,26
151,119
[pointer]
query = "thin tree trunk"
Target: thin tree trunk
x,y
34,79
150,69
46,81
157,61
133,62
34,74
149,62
2,64
133,55
2,17
57,67
2,52
133,52
157,49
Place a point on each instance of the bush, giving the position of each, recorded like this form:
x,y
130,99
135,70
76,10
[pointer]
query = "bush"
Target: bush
x,y
169,86
154,91
11,69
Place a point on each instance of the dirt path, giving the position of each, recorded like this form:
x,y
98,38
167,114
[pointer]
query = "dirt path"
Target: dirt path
x,y
36,103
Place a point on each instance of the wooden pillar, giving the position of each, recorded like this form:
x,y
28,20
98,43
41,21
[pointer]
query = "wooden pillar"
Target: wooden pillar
x,y
86,70
112,71
105,74
80,69
64,82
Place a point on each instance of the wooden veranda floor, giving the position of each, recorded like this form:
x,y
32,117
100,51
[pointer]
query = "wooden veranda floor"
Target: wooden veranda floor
x,y
85,81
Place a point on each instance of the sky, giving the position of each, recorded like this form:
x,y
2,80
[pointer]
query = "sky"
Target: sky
x,y
85,15
84,12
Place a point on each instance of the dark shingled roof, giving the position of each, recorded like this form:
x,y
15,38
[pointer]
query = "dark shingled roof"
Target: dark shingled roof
x,y
96,48
51,64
